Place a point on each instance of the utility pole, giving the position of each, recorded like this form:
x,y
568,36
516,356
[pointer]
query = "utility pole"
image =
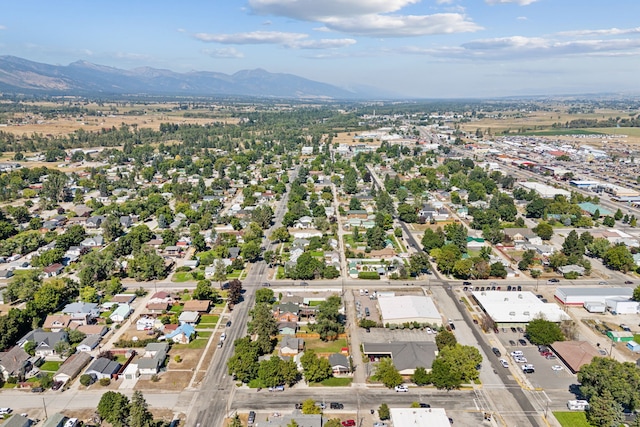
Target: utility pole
x,y
44,405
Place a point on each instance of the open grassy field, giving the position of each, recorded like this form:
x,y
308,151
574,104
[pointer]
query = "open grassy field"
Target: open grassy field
x,y
326,346
572,419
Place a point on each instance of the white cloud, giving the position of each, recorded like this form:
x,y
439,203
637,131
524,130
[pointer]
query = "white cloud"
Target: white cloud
x,y
315,10
225,52
604,32
522,18
518,2
289,40
402,26
518,47
2,27
367,17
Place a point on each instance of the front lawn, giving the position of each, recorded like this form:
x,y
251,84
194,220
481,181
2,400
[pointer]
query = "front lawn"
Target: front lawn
x,y
337,382
50,366
176,308
182,276
572,419
208,319
326,346
204,334
197,343
235,275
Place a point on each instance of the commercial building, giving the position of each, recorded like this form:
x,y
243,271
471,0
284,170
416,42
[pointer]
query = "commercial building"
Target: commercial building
x,y
575,354
621,305
543,190
406,356
419,417
585,185
580,296
517,308
397,310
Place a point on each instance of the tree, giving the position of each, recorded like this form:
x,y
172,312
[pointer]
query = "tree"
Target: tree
x,y
264,325
264,295
204,291
376,237
454,366
235,291
573,245
350,182
250,251
457,234
383,412
444,339
146,265
235,421
387,373
333,422
315,369
498,269
543,332
76,336
280,234
419,263
293,423
420,376
139,415
220,272
354,204
598,247
328,319
275,371
543,230
536,208
619,258
86,380
604,374
407,213
309,407
604,411
111,228
114,408
244,362
636,293
618,215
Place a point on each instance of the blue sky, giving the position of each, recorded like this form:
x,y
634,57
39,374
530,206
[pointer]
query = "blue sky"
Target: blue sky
x,y
424,48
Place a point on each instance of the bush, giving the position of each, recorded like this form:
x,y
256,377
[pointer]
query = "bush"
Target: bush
x,y
86,380
12,380
368,323
140,292
155,378
369,275
178,359
572,275
105,381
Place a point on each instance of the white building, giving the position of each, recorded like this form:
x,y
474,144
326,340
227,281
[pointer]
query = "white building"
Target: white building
x,y
544,191
507,308
621,305
408,308
578,296
419,417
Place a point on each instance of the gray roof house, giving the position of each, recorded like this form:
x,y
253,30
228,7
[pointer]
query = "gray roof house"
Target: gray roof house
x,y
14,362
103,368
290,346
89,343
45,341
153,359
339,363
82,311
17,421
72,367
406,356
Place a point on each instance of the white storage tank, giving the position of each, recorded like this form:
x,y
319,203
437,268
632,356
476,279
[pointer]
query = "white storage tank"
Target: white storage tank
x,y
595,307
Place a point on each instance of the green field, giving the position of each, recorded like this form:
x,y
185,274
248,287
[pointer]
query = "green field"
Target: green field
x,y
50,366
572,419
208,319
336,382
554,132
204,334
616,131
182,276
326,347
177,308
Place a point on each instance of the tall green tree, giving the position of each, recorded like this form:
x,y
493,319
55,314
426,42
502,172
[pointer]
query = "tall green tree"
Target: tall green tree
x,y
445,338
604,411
139,415
387,373
315,369
543,332
543,230
114,408
454,366
433,239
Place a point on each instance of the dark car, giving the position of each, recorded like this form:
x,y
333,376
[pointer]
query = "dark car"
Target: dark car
x,y
553,280
512,342
509,288
466,283
519,288
252,418
482,288
496,351
228,323
522,342
298,405
336,405
56,385
514,330
496,330
304,284
425,405
37,390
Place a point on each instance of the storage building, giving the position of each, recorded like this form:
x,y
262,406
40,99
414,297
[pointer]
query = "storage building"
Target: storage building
x,y
409,308
517,308
578,296
621,305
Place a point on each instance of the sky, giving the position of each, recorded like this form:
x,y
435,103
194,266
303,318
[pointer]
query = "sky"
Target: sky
x,y
416,48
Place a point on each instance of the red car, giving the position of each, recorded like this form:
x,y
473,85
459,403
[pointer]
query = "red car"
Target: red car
x,y
349,423
546,353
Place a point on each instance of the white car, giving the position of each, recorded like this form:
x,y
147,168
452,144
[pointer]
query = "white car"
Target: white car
x,y
429,331
520,359
504,363
557,367
5,411
402,389
517,353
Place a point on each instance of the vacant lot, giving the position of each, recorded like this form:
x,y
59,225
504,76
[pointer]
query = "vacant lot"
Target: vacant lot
x,y
170,381
189,359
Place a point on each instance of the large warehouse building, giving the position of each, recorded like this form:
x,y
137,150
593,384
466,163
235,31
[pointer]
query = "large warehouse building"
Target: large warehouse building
x,y
515,308
545,191
408,308
580,296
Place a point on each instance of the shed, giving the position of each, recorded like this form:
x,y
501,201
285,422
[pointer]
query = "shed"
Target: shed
x,y
72,367
620,336
55,420
622,305
633,346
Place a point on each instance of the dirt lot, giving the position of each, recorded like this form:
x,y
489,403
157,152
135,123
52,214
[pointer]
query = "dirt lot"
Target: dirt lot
x,y
189,357
171,381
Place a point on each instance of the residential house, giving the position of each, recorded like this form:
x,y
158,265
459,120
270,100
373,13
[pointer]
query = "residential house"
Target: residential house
x,y
182,334
93,241
162,297
17,421
52,270
191,263
55,420
290,346
103,368
304,222
157,307
234,253
572,268
57,322
123,298
287,328
89,343
82,211
121,313
145,323
95,222
305,234
72,367
153,358
339,363
90,329
126,221
189,318
14,363
172,250
287,312
200,306
357,213
522,236
45,341
83,312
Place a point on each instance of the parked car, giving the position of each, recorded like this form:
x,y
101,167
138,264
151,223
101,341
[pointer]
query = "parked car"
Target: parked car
x,y
252,418
522,342
298,405
514,330
512,342
56,385
519,288
37,390
5,411
557,368
401,388
348,423
336,405
519,329
304,284
425,405
379,424
628,282
466,283
277,388
528,369
496,351
553,281
504,363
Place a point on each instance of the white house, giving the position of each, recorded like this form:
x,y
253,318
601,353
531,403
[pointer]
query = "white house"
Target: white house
x,y
121,313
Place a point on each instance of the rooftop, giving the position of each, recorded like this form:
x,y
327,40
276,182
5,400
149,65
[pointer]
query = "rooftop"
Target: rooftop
x,y
517,307
407,307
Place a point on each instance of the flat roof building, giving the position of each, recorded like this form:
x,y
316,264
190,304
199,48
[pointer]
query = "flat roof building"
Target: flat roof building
x,y
419,417
578,296
507,308
544,190
408,308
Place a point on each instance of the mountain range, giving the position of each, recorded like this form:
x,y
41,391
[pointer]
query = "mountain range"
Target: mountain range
x,y
18,75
